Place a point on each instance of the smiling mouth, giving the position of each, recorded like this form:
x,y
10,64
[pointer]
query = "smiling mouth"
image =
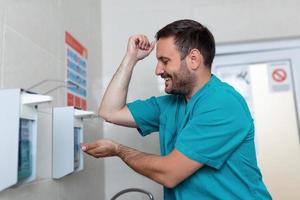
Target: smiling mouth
x,y
165,77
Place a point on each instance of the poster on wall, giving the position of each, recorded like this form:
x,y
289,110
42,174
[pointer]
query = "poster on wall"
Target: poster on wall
x,y
76,60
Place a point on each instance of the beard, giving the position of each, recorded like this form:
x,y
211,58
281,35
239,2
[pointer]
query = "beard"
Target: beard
x,y
182,82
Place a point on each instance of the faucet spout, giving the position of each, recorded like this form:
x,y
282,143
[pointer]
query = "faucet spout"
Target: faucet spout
x,y
133,190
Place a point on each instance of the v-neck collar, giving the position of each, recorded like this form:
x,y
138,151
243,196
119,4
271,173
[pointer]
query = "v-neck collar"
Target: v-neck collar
x,y
200,92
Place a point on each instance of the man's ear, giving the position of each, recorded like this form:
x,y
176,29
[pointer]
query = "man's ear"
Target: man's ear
x,y
195,59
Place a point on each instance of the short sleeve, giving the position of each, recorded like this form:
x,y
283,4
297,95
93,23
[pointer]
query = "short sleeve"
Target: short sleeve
x,y
215,131
146,115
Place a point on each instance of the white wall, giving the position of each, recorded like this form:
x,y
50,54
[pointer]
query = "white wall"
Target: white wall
x,y
32,48
230,21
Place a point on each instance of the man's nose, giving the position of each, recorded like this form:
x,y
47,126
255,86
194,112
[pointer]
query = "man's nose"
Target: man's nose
x,y
159,70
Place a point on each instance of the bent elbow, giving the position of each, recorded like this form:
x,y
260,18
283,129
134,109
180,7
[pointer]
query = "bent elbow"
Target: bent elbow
x,y
104,115
170,183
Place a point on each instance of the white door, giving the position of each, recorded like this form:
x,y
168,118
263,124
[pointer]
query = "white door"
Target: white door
x,y
269,80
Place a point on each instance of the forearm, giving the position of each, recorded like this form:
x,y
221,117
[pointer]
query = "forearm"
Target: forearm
x,y
115,95
149,165
167,170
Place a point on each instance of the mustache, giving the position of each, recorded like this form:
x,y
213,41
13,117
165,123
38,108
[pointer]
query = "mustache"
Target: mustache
x,y
166,75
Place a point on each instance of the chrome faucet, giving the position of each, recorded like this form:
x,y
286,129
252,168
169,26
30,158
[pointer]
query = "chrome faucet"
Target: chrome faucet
x,y
132,190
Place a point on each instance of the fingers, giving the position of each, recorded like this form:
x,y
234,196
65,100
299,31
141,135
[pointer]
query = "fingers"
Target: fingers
x,y
91,148
88,146
93,152
152,45
142,42
145,44
100,148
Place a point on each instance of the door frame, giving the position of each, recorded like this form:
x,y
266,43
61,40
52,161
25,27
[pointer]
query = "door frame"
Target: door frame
x,y
257,46
241,49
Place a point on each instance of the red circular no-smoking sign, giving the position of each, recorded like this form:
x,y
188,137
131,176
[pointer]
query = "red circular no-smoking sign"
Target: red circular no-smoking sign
x,y
279,75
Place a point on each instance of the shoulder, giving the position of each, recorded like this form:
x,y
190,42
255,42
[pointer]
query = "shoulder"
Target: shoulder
x,y
223,99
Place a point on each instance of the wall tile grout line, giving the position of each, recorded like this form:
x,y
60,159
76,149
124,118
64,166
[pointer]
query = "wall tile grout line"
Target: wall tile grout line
x,y
31,41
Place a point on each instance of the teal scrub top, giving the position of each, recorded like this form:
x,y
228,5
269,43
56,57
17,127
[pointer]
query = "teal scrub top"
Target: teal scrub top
x,y
214,128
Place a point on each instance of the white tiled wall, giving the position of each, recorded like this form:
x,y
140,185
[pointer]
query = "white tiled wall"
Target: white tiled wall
x,y
230,21
32,48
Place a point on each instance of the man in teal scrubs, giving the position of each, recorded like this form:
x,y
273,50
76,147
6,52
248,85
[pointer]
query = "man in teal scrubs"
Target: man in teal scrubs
x,y
205,127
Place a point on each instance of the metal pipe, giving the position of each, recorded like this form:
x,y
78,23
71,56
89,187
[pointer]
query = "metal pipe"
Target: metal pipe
x,y
133,190
44,81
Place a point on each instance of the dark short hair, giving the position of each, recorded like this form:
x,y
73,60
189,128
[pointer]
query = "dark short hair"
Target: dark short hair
x,y
188,35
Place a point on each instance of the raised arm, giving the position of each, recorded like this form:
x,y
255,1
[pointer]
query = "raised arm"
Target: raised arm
x,y
113,107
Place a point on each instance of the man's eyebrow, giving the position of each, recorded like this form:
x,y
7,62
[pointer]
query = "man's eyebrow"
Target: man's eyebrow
x,y
162,58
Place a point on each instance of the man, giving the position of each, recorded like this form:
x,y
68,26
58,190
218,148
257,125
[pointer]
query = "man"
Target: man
x,y
206,130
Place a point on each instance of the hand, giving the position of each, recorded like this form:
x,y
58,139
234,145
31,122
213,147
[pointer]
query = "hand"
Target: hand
x,y
139,47
100,148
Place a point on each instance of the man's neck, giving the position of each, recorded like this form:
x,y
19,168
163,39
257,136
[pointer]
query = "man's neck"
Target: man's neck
x,y
203,79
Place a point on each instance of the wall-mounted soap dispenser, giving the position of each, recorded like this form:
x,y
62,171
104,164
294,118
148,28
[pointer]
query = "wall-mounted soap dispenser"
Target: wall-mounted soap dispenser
x,y
67,135
18,135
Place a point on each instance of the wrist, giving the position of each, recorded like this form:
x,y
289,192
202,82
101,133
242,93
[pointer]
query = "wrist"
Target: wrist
x,y
118,149
129,59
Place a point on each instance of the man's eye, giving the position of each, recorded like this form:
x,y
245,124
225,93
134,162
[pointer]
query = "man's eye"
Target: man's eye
x,y
165,62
